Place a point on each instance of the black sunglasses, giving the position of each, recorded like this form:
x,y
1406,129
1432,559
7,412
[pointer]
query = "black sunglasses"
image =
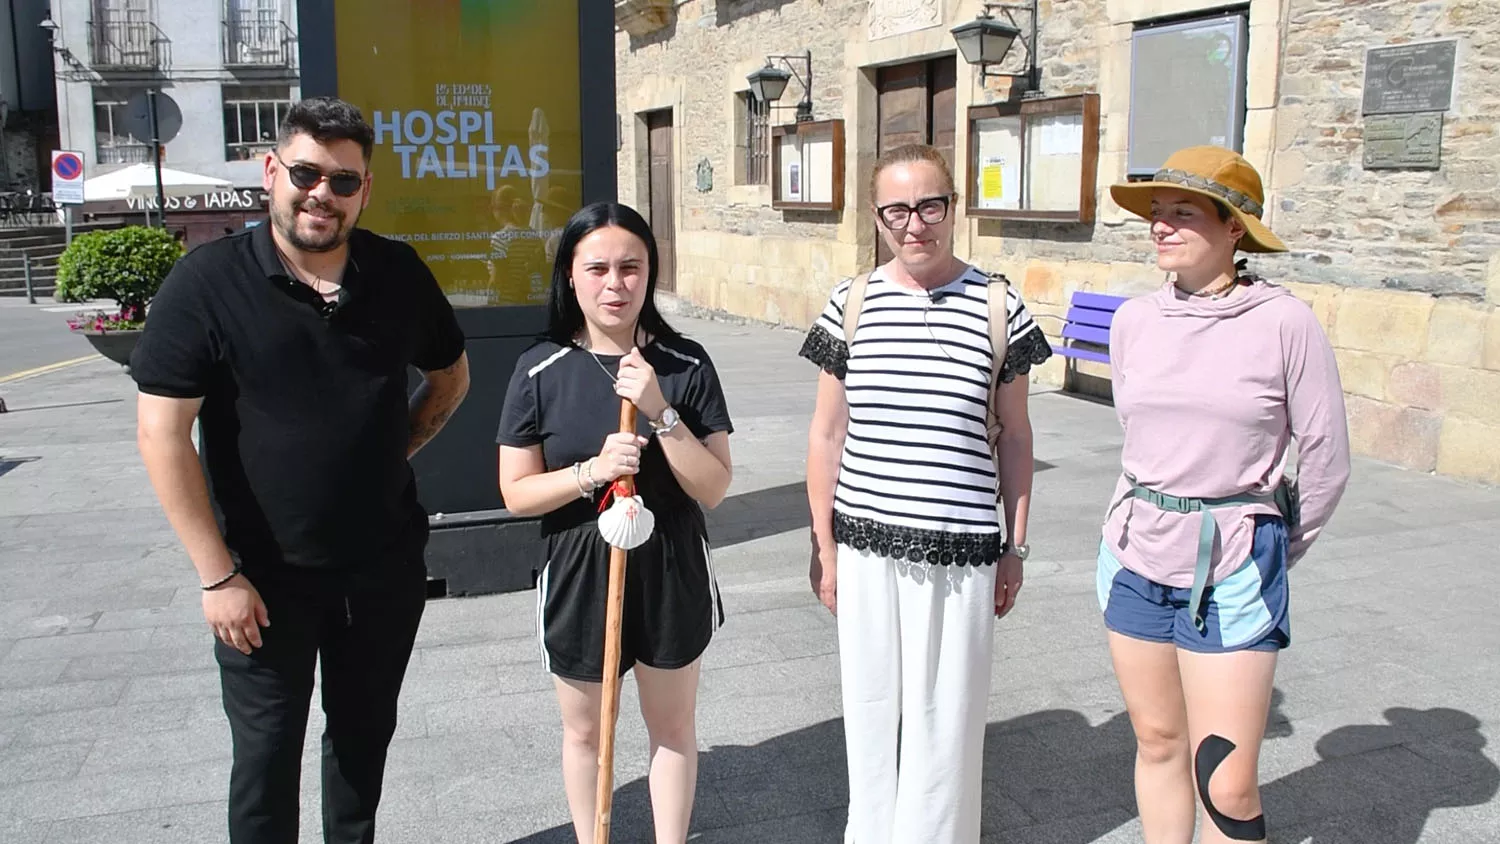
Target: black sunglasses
x,y
897,215
307,177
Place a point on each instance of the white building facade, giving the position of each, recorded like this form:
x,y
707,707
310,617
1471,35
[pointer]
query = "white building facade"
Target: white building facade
x,y
230,66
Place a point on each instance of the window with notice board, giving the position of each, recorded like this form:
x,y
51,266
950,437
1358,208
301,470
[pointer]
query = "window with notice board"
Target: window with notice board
x,y
1034,159
807,166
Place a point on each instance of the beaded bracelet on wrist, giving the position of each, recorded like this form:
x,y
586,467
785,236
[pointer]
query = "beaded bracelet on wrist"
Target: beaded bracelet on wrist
x,y
209,587
583,491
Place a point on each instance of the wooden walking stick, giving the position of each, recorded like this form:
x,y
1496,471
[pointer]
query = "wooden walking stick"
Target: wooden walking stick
x,y
625,525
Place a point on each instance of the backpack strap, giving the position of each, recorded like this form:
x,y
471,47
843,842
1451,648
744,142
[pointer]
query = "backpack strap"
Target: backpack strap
x,y
999,320
999,328
853,304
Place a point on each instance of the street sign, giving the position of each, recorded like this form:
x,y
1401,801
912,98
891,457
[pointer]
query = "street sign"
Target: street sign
x,y
136,118
67,177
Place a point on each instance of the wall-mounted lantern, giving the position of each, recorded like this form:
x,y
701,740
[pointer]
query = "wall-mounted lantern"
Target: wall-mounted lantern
x,y
50,29
768,83
987,40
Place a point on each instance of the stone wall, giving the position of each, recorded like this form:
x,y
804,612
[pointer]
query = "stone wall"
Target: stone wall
x,y
1401,267
22,163
1421,375
734,252
1428,231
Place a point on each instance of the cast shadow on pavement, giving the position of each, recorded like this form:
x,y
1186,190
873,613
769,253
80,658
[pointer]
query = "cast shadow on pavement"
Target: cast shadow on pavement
x,y
767,512
1053,777
64,405
9,463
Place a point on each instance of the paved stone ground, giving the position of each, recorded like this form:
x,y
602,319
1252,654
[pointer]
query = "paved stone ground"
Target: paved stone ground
x,y
111,731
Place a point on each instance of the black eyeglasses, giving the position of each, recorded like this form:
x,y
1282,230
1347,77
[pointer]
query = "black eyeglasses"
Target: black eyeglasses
x,y
307,177
897,215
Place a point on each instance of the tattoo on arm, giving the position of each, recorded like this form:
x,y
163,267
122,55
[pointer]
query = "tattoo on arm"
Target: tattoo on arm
x,y
432,405
423,429
451,369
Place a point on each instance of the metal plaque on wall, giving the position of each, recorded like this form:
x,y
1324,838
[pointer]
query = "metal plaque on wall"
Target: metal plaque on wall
x,y
1410,77
1404,141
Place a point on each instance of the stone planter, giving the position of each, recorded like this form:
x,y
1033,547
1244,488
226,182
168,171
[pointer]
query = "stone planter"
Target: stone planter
x,y
115,345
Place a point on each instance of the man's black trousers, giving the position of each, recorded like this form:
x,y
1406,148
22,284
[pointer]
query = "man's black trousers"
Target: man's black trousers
x,y
362,632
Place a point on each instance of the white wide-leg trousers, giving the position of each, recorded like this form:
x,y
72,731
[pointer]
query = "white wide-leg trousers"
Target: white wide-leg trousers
x,y
915,647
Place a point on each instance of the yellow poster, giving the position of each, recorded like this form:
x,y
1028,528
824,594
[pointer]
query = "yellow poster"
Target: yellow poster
x,y
992,180
478,153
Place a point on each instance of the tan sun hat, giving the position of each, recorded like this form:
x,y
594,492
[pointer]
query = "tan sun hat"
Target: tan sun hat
x,y
1215,172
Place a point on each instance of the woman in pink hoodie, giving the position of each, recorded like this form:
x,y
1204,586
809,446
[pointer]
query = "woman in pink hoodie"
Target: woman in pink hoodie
x,y
1214,375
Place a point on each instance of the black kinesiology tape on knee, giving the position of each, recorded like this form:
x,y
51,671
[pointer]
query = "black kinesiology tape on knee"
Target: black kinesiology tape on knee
x,y
1212,752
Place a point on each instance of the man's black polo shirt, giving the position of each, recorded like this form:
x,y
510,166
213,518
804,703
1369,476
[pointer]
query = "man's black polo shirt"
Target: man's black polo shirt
x,y
304,421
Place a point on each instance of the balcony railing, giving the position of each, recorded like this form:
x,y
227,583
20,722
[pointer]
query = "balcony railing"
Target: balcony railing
x,y
128,45
248,152
258,42
124,154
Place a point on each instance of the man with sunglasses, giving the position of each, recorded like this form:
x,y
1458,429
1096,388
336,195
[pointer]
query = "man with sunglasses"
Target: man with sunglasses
x,y
289,344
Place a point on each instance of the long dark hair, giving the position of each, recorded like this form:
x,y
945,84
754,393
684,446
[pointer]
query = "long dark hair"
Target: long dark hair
x,y
564,316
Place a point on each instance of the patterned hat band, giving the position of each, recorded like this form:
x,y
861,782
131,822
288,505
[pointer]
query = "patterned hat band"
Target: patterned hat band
x,y
1193,180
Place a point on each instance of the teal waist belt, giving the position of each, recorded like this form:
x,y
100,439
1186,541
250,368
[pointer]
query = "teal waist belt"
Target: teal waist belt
x,y
1207,530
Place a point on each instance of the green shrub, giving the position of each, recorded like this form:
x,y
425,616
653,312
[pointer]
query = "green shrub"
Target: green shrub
x,y
81,255
127,265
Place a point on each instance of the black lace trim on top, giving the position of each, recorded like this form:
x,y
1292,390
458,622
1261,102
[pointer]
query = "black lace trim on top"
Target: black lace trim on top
x,y
827,351
917,545
1029,350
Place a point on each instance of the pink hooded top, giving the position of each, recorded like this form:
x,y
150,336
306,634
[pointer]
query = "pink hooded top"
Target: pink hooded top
x,y
1211,394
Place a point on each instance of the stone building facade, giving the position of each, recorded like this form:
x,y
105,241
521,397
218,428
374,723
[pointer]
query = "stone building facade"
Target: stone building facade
x,y
1402,266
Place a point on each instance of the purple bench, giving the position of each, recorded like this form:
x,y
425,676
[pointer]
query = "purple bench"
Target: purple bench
x,y
1088,320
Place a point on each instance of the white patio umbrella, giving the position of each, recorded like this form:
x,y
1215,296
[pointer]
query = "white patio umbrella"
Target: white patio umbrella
x,y
139,180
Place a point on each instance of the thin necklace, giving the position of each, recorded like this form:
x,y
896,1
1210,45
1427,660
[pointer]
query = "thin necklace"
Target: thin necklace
x,y
334,287
602,368
613,379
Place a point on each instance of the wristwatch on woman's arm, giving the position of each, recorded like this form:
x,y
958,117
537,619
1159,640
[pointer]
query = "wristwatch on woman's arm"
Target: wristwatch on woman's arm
x,y
663,426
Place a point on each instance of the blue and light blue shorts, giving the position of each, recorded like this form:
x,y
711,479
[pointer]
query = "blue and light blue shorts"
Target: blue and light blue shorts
x,y
1246,611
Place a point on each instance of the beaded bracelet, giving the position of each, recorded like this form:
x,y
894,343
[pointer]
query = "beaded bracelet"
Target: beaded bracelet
x,y
578,479
223,580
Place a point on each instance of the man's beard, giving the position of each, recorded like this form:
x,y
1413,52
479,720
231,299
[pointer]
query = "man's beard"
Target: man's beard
x,y
284,216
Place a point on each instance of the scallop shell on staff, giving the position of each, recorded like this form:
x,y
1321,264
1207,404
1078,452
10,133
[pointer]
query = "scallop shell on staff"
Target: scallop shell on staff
x,y
627,523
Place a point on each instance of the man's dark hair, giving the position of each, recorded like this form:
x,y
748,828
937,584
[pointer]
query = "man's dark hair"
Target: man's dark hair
x,y
327,119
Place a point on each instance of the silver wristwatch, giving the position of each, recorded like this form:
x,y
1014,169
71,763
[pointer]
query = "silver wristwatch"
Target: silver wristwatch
x,y
1021,551
666,423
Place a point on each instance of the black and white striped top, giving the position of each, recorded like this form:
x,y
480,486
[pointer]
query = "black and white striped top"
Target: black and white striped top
x,y
916,479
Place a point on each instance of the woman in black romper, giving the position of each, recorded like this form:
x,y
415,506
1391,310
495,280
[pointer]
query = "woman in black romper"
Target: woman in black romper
x,y
560,451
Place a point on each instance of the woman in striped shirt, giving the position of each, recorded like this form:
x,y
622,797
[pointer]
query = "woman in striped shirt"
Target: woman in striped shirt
x,y
908,547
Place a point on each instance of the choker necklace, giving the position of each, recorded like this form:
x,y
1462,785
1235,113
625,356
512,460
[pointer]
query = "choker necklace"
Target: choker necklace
x,y
1215,293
